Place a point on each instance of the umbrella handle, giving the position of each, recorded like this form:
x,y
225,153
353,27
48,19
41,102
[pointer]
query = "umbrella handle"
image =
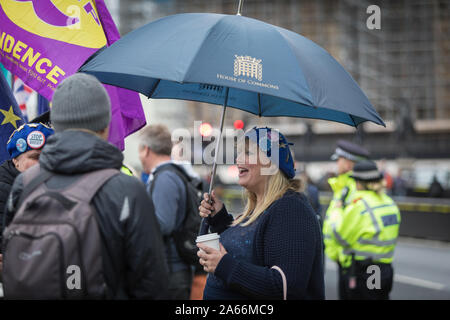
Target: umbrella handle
x,y
204,227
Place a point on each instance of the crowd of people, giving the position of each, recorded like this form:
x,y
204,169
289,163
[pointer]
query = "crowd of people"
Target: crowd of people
x,y
77,224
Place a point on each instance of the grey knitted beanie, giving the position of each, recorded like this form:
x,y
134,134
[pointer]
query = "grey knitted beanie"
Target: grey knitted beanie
x,y
80,102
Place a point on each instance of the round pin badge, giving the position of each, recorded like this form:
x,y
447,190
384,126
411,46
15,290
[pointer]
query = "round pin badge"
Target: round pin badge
x,y
21,145
36,139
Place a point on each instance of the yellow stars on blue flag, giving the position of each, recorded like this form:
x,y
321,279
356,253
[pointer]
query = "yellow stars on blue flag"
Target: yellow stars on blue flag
x,y
10,117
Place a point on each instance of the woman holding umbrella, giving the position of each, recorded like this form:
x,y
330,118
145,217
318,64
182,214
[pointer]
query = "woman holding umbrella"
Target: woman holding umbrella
x,y
275,245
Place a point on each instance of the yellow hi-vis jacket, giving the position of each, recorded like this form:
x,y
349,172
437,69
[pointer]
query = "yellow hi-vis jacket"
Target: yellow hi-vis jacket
x,y
340,184
126,170
367,227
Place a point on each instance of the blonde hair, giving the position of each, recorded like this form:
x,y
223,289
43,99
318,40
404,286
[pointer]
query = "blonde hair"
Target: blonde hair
x,y
277,185
378,186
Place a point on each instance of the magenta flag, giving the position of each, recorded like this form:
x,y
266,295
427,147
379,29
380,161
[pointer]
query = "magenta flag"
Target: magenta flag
x,y
45,41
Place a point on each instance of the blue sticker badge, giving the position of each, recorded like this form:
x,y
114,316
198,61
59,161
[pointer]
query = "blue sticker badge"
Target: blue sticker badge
x,y
21,145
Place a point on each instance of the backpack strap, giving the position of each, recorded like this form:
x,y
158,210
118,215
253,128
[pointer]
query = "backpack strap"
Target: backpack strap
x,y
177,169
180,173
183,176
174,168
32,178
87,186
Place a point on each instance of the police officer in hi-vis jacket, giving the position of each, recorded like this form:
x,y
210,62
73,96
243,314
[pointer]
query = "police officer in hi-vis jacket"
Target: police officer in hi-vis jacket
x,y
365,232
343,186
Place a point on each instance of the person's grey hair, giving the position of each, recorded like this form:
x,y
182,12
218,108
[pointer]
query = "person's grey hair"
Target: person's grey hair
x,y
157,138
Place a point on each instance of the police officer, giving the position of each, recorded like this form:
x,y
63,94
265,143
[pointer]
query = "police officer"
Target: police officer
x,y
343,186
366,230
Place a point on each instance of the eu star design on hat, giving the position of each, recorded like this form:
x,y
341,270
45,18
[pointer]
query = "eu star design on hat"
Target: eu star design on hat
x,y
275,146
30,136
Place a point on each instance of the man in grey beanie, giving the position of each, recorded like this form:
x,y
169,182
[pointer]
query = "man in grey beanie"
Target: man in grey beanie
x,y
81,102
133,258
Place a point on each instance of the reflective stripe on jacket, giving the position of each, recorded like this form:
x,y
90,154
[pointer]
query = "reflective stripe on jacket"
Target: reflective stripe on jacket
x,y
367,227
339,185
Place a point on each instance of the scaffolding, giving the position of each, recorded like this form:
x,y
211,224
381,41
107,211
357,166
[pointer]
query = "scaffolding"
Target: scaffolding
x,y
404,68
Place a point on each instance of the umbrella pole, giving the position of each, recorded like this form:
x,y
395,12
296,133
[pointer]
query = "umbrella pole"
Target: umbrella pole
x,y
216,152
241,2
260,122
205,225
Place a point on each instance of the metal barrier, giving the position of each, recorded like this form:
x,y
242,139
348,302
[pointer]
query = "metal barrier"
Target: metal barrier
x,y
427,218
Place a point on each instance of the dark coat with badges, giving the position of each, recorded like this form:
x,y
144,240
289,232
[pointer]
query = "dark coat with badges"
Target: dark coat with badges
x,y
134,263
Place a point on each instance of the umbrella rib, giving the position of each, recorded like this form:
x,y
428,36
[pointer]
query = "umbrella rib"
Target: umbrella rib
x,y
259,104
312,102
353,119
307,84
153,89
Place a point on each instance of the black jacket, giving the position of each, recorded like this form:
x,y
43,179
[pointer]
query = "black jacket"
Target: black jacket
x,y
8,174
133,251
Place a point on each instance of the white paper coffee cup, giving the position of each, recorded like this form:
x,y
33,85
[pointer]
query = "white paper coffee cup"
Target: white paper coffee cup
x,y
210,240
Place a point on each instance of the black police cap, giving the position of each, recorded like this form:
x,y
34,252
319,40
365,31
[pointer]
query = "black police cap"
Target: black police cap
x,y
350,151
367,171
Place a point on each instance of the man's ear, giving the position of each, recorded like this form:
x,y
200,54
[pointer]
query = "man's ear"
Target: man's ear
x,y
147,151
16,163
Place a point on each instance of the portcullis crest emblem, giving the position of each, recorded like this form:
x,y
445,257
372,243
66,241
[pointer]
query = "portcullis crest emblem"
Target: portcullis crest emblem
x,y
248,67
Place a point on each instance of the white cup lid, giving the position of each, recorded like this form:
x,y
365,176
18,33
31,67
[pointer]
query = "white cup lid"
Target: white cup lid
x,y
207,237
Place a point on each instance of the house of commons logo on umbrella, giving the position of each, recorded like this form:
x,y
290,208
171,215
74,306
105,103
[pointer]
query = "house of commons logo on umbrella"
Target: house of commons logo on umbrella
x,y
248,66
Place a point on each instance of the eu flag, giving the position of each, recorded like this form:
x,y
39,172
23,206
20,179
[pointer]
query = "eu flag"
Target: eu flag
x,y
43,105
10,116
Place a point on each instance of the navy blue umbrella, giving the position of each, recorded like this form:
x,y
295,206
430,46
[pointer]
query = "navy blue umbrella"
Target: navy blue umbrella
x,y
236,62
269,71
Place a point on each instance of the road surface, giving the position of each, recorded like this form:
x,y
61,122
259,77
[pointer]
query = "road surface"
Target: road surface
x,y
421,271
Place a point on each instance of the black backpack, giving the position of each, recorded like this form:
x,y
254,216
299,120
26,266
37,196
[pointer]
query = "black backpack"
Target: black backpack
x,y
52,248
185,235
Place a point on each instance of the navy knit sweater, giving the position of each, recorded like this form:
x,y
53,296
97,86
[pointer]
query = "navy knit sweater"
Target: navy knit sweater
x,y
288,237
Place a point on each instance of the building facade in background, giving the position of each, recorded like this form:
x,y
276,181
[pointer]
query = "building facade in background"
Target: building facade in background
x,y
404,67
